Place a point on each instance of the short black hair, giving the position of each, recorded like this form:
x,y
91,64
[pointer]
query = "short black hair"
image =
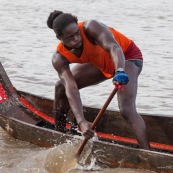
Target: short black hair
x,y
58,20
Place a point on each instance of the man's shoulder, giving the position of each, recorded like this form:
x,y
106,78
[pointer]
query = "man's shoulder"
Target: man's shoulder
x,y
89,23
93,25
58,57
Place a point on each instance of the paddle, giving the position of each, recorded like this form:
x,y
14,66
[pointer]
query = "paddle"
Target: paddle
x,y
99,116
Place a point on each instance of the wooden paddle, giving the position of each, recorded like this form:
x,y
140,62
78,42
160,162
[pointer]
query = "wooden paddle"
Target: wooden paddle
x,y
99,116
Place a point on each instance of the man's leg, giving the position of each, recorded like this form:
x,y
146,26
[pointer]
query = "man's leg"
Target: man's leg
x,y
85,75
127,105
61,107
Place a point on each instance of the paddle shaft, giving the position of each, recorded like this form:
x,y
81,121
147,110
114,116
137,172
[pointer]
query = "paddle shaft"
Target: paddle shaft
x,y
98,118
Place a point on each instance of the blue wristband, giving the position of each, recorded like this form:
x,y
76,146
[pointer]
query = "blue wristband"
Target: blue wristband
x,y
121,78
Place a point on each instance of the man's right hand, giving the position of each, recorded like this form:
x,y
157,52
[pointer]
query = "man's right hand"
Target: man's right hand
x,y
86,130
120,78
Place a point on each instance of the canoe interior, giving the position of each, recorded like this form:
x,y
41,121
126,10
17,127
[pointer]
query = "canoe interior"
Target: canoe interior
x,y
113,124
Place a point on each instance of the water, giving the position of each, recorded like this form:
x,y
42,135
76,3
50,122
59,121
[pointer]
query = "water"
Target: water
x,y
27,46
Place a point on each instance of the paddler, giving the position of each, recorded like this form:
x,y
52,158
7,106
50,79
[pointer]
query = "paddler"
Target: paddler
x,y
101,53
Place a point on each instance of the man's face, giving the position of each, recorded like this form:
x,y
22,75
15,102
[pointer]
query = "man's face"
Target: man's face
x,y
71,36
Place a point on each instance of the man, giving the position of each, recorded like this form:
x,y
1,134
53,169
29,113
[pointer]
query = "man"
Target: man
x,y
101,53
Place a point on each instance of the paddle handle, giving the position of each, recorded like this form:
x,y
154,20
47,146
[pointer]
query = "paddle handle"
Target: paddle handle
x,y
98,118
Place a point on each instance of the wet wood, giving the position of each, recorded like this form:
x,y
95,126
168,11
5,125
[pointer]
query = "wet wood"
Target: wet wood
x,y
113,123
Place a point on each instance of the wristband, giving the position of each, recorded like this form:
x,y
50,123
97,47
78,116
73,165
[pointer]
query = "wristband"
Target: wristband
x,y
120,70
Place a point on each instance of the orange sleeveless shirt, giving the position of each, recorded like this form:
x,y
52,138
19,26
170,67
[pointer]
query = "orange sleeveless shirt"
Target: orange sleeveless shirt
x,y
95,54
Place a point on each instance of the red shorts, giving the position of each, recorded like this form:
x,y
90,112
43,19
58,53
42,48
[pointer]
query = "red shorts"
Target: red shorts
x,y
133,52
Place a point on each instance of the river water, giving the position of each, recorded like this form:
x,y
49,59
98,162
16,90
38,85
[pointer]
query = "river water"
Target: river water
x,y
27,46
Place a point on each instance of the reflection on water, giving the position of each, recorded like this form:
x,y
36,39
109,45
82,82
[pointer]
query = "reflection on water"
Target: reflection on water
x,y
27,46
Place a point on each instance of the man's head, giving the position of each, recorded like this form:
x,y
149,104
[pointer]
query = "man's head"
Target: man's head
x,y
66,28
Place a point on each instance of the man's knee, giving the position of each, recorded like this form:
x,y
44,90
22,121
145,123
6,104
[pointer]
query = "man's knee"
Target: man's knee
x,y
128,112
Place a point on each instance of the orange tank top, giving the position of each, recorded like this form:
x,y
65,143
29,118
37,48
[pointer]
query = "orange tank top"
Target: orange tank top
x,y
95,54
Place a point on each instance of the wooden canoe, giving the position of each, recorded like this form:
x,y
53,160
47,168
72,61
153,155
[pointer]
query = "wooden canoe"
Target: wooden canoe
x,y
29,118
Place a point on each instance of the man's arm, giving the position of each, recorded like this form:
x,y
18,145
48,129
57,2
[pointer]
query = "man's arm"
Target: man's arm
x,y
61,65
102,35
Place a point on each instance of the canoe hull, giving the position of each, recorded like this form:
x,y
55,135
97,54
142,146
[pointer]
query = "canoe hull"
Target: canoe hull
x,y
106,154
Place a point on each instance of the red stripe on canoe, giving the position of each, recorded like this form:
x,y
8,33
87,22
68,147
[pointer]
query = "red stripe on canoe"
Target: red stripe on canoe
x,y
102,135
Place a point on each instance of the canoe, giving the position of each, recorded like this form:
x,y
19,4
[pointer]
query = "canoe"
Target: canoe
x,y
29,117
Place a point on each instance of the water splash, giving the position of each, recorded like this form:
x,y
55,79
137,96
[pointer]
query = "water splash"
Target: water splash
x,y
63,158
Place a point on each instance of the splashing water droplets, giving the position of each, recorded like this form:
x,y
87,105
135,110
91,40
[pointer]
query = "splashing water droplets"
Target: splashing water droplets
x,y
63,158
